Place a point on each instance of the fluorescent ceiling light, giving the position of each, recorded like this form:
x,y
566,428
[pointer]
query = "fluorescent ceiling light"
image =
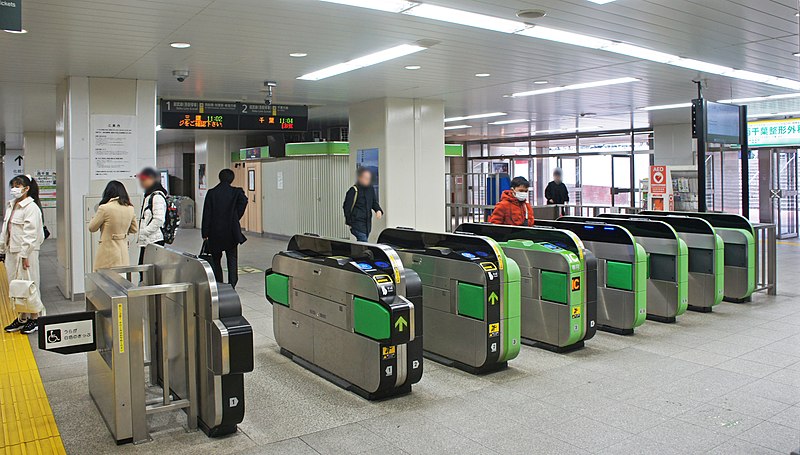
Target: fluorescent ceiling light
x,y
564,37
18,32
392,6
664,107
568,130
457,16
456,127
298,54
181,45
412,67
542,82
158,128
475,116
482,74
511,122
622,80
362,62
777,114
782,96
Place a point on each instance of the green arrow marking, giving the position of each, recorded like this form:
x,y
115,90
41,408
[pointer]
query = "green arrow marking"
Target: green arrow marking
x,y
400,323
493,298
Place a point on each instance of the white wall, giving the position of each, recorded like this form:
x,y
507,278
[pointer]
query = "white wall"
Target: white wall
x,y
674,145
40,153
213,150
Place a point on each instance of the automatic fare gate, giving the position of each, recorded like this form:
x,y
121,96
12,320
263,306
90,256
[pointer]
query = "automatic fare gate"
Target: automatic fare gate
x,y
348,312
740,251
621,274
706,257
667,265
559,283
200,345
471,297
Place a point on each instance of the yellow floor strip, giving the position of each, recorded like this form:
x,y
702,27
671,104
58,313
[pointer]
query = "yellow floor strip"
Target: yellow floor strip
x,y
27,425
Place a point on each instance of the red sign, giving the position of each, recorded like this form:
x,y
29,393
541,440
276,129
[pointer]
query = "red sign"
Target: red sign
x,y
658,180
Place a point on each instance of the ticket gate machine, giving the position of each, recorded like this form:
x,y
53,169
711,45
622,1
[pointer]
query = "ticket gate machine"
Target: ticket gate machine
x,y
706,257
559,283
200,345
470,295
740,251
667,265
621,273
349,312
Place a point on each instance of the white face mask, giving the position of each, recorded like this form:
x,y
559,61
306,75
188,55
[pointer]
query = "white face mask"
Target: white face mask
x,y
521,195
17,192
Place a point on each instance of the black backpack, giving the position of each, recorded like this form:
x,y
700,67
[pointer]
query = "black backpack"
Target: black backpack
x,y
172,219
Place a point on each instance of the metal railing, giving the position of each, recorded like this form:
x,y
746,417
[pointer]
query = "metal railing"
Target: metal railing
x,y
458,214
766,258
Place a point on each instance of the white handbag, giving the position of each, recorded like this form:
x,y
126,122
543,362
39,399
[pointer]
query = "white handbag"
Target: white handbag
x,y
24,293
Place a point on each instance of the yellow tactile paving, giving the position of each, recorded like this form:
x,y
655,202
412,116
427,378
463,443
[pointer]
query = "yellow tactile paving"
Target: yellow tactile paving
x,y
27,425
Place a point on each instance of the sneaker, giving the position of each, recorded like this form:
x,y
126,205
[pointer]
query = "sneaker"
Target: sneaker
x,y
31,326
15,326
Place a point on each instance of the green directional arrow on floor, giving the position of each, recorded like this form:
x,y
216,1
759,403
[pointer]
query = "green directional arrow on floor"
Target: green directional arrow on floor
x,y
493,298
400,324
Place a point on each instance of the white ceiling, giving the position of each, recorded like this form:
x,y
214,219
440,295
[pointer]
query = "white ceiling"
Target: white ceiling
x,y
237,44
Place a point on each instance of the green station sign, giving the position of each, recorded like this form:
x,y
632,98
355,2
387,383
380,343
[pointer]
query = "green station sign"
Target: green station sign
x,y
774,133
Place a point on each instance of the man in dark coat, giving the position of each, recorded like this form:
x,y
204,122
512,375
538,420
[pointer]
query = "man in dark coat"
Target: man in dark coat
x,y
556,192
223,208
359,203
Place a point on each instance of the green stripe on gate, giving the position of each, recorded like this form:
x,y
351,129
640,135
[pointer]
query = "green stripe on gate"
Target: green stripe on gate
x,y
278,288
683,277
640,285
719,269
371,319
513,303
471,301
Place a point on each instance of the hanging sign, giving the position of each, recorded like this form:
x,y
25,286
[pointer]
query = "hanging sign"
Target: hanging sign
x,y
774,133
11,15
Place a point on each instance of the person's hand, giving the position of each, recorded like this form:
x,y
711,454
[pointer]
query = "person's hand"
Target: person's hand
x,y
379,214
550,201
205,238
26,264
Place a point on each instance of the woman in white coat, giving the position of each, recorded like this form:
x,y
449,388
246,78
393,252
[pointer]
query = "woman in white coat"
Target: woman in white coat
x,y
20,239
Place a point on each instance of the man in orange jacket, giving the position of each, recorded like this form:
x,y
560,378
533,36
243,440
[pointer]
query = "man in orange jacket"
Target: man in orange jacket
x,y
514,208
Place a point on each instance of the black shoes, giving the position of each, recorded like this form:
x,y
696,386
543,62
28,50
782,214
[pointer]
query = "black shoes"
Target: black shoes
x,y
26,327
31,326
15,326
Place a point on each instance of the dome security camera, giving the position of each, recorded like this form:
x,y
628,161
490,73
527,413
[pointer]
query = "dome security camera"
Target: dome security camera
x,y
180,75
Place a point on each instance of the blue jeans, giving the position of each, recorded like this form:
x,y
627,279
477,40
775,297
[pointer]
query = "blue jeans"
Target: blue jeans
x,y
359,235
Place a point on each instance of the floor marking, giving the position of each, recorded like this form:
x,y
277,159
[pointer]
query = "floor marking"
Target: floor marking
x,y
28,425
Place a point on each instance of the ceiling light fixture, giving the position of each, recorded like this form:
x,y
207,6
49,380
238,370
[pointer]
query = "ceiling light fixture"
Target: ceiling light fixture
x,y
456,127
475,117
158,128
363,62
486,22
665,107
412,67
181,45
782,96
531,14
542,82
622,80
776,114
601,2
298,54
17,32
511,122
483,75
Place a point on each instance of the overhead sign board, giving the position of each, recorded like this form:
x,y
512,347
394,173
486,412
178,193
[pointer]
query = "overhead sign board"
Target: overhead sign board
x,y
221,115
11,15
774,133
68,333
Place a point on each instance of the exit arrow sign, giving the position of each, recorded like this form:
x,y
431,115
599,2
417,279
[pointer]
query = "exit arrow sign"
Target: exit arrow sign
x,y
400,324
493,298
18,159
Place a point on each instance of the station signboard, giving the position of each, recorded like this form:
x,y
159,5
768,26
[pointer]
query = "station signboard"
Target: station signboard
x,y
222,115
774,133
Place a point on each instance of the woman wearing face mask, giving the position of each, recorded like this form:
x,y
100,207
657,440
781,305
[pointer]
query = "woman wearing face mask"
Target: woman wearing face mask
x,y
514,208
20,239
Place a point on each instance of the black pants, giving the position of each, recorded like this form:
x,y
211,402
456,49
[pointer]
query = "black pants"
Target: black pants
x,y
232,257
141,257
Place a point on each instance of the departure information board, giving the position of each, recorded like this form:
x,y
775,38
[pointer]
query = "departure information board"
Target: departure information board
x,y
221,115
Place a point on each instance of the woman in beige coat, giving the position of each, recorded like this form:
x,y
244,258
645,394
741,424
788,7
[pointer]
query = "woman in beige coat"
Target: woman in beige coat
x,y
115,218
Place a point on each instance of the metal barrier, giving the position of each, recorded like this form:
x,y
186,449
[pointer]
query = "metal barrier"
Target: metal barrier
x,y
766,258
458,214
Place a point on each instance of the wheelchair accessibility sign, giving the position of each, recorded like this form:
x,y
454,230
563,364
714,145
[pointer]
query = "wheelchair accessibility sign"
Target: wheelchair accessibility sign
x,y
68,333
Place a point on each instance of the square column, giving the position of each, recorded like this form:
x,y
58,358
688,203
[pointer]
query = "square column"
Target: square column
x,y
409,137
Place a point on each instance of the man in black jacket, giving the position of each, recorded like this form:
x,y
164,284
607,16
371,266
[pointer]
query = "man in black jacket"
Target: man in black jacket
x,y
359,203
223,208
556,192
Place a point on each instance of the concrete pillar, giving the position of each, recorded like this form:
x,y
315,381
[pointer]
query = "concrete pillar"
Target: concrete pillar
x,y
212,154
674,145
40,156
83,103
409,136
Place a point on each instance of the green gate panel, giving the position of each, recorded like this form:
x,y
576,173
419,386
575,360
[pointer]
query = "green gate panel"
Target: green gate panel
x,y
371,319
683,277
719,269
640,285
278,288
619,275
471,301
513,303
555,287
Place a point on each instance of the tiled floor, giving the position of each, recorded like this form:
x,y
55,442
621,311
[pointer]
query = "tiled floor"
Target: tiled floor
x,y
720,383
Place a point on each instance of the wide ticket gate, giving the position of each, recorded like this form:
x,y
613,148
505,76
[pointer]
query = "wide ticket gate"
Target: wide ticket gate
x,y
559,283
667,265
470,294
740,251
706,257
621,273
199,345
350,312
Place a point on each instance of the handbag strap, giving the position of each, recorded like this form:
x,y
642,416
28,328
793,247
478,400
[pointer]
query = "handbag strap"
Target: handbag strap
x,y
21,270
